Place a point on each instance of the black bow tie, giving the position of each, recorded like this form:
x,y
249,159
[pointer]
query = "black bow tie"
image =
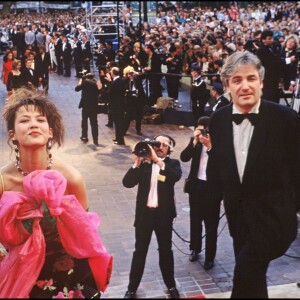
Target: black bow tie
x,y
238,118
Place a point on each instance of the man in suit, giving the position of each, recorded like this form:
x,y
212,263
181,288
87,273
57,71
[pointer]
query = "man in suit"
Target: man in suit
x,y
29,76
270,58
135,99
203,207
89,103
155,174
86,53
217,92
67,56
153,66
77,55
59,54
199,93
116,104
43,66
254,162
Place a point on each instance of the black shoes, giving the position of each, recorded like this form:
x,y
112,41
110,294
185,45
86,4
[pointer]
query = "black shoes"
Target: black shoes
x,y
174,294
130,295
208,265
119,143
84,139
139,133
194,256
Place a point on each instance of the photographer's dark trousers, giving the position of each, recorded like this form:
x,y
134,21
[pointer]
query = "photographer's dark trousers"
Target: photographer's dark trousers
x,y
155,89
198,109
86,65
173,86
203,208
78,68
143,233
134,111
118,119
67,67
93,116
59,66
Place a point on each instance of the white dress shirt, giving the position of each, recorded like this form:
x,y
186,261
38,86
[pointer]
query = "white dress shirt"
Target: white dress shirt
x,y
153,196
242,135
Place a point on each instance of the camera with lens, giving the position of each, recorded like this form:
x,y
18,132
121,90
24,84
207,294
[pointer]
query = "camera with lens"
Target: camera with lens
x,y
297,54
204,132
86,75
142,149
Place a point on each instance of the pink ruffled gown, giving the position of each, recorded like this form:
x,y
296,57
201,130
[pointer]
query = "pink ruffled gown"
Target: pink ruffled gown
x,y
54,248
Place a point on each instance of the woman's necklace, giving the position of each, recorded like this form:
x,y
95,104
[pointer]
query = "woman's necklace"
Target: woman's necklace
x,y
24,173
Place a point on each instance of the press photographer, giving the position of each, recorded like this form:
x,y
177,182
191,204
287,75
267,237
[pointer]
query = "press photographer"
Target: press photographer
x,y
135,99
204,208
90,89
291,55
155,175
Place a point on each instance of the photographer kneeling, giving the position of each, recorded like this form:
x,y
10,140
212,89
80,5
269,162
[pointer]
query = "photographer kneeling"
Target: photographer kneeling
x,y
89,103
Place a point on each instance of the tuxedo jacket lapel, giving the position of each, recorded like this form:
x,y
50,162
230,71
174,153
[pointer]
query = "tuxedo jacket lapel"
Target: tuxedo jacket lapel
x,y
259,139
227,136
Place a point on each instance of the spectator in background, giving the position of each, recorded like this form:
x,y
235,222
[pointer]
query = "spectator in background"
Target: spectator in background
x,y
199,93
90,89
174,66
271,61
67,56
43,66
86,53
291,59
217,92
153,66
7,67
14,81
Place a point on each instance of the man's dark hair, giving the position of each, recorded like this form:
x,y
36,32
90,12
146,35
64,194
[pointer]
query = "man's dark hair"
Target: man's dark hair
x,y
265,34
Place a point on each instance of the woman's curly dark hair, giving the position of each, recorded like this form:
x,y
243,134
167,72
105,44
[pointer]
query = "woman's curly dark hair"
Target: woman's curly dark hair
x,y
25,97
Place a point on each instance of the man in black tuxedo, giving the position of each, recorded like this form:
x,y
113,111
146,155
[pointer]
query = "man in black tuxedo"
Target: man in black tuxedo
x,y
86,53
155,174
67,56
199,93
58,54
29,76
43,65
153,66
89,103
255,163
116,104
203,207
135,99
270,58
217,92
77,56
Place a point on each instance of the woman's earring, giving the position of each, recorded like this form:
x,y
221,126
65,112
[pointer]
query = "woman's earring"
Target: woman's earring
x,y
16,148
49,146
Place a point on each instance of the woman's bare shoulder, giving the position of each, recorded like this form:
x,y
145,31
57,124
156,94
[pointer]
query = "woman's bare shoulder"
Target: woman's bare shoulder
x,y
72,175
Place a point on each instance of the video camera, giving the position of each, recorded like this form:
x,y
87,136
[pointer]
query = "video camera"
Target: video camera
x,y
142,149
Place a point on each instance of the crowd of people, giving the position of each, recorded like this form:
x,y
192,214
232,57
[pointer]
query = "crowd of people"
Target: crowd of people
x,y
251,52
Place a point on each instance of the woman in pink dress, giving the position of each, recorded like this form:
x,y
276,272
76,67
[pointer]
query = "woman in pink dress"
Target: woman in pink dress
x,y
53,246
7,67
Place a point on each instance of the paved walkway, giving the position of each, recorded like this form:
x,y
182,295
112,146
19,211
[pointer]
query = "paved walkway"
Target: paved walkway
x,y
103,169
